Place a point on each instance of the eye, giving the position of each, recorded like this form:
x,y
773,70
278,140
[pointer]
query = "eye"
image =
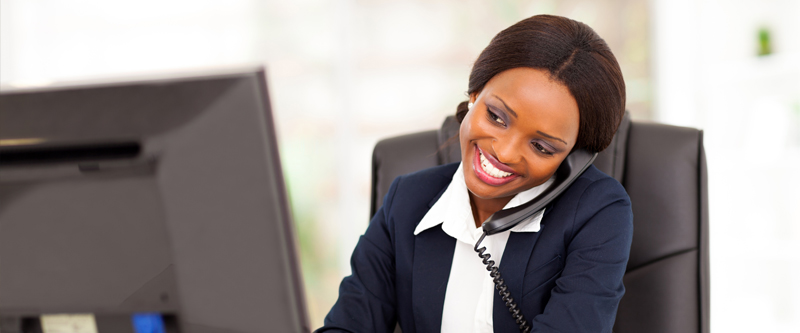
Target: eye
x,y
541,149
495,117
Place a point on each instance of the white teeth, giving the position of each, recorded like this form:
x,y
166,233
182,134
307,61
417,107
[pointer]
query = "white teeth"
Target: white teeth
x,y
491,170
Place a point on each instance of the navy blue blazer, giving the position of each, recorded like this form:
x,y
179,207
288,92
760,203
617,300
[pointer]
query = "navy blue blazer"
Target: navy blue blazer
x,y
566,278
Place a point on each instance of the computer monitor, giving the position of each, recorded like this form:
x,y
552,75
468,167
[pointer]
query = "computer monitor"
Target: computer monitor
x,y
149,206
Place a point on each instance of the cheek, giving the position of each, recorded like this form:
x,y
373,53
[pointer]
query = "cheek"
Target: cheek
x,y
474,127
463,129
469,130
463,136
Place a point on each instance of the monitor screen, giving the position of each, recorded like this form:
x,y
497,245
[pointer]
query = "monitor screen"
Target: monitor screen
x,y
148,206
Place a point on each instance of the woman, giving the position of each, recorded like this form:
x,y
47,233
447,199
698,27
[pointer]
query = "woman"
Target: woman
x,y
541,89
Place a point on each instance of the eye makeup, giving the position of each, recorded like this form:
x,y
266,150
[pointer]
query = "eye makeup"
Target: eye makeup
x,y
546,146
497,112
507,108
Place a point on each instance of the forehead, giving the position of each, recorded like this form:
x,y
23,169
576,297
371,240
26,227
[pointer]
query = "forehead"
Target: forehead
x,y
536,98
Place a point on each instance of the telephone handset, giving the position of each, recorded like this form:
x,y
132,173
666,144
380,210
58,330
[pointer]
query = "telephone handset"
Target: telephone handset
x,y
573,166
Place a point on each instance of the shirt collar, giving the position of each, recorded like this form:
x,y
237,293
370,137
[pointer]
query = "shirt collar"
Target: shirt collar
x,y
454,213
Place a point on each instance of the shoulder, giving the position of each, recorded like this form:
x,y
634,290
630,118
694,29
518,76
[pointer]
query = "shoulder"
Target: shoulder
x,y
409,198
438,174
594,192
595,186
419,187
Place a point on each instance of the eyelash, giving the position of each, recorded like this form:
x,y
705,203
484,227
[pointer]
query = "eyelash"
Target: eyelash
x,y
539,147
495,118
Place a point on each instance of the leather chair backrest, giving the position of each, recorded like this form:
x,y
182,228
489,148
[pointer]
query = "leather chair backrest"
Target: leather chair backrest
x,y
663,169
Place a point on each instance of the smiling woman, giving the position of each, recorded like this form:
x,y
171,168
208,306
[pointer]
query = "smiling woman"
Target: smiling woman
x,y
543,88
519,147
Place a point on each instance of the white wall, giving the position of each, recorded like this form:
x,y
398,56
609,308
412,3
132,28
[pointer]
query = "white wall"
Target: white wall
x,y
707,75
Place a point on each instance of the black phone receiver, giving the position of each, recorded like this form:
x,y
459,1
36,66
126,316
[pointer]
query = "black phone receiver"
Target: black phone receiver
x,y
573,166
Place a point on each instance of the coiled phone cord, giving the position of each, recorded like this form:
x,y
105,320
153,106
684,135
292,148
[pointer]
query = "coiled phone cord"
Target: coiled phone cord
x,y
501,287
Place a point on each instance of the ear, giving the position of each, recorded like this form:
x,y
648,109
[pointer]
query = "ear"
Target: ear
x,y
474,96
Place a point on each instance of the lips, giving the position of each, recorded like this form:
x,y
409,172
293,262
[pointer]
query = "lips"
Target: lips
x,y
489,170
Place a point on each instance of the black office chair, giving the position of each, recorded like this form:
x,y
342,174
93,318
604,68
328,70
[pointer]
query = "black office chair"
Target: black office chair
x,y
663,168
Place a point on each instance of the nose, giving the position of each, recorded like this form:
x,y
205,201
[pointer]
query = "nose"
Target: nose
x,y
507,150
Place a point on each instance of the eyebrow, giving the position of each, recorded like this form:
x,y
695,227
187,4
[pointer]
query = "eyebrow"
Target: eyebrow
x,y
551,137
506,105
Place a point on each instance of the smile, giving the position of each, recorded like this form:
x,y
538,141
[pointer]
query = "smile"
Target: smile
x,y
491,171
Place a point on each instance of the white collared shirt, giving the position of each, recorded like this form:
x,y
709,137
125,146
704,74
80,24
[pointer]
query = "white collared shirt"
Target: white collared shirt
x,y
469,299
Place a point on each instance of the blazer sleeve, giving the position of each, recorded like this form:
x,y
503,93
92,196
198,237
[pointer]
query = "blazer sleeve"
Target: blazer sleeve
x,y
367,299
587,293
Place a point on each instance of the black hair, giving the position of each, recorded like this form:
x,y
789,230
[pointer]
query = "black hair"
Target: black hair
x,y
575,56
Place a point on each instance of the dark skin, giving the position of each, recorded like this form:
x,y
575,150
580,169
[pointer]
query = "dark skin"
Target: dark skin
x,y
527,124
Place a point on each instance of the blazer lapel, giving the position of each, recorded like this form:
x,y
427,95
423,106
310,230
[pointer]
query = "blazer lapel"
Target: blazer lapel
x,y
433,256
512,269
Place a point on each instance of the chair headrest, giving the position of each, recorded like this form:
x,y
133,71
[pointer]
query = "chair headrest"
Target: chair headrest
x,y
612,159
449,146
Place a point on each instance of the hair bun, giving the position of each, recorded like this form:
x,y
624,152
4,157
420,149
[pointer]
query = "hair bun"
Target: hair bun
x,y
461,110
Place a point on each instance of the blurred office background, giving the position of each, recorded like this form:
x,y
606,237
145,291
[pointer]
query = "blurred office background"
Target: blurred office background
x,y
345,73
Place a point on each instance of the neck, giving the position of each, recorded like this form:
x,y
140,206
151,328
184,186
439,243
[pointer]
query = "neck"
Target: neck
x,y
483,208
